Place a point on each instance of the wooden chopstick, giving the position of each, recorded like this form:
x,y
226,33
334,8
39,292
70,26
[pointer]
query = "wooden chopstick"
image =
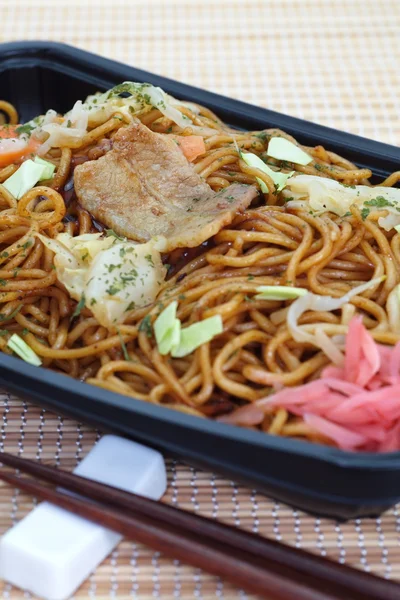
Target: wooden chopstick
x,y
262,566
255,544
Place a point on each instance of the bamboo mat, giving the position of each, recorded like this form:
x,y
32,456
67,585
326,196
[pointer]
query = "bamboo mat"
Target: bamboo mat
x,y
335,63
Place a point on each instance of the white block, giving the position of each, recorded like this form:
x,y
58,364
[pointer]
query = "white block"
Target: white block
x,y
52,551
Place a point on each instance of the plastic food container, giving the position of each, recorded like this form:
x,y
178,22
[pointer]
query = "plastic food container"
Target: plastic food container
x,y
36,76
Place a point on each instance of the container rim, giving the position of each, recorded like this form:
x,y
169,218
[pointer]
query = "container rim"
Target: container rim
x,y
59,382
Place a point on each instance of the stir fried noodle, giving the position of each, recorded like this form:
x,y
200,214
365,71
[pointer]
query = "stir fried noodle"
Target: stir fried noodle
x,y
277,241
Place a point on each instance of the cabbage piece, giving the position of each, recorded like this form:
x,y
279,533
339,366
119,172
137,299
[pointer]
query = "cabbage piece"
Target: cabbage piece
x,y
320,303
167,329
60,249
197,334
24,179
143,98
123,276
279,292
85,247
26,130
69,132
48,168
277,177
283,149
21,348
113,276
322,195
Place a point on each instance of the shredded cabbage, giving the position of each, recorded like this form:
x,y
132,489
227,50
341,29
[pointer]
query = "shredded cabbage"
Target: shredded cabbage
x,y
68,132
283,149
48,168
96,109
277,177
196,335
279,292
172,339
113,276
322,195
23,180
143,98
167,329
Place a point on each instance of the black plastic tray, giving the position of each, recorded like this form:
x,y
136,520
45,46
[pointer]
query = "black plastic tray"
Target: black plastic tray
x,y
36,76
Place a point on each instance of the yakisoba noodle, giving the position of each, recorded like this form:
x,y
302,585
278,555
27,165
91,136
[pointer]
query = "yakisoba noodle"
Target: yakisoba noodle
x,y
266,245
8,113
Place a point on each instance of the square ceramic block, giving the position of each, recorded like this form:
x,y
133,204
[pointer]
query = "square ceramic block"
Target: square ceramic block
x,y
52,551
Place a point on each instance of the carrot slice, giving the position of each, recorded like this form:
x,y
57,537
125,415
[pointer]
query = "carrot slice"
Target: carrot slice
x,y
192,146
12,147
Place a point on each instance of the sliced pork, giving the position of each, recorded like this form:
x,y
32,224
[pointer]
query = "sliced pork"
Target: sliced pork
x,y
145,187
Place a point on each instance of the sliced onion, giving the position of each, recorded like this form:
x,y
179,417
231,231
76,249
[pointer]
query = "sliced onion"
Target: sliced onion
x,y
329,347
320,303
393,309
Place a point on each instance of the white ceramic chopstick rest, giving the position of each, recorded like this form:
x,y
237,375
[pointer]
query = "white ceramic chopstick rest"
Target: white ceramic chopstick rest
x,y
52,551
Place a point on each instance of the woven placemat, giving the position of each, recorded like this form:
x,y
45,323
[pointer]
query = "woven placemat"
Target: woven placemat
x,y
335,63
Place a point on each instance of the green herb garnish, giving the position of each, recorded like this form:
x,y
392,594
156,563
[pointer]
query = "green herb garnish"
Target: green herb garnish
x,y
123,346
113,289
79,307
27,128
149,258
364,213
146,327
111,233
4,318
379,202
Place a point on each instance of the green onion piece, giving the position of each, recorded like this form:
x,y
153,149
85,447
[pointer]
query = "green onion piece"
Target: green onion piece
x,y
282,149
4,318
111,233
397,228
279,292
79,307
195,335
24,351
167,329
24,179
123,346
277,177
48,168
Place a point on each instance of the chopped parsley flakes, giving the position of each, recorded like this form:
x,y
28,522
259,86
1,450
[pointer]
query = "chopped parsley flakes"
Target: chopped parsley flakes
x,y
379,202
27,129
113,289
364,213
149,259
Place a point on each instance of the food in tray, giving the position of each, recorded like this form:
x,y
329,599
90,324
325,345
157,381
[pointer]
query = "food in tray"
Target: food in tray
x,y
148,248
